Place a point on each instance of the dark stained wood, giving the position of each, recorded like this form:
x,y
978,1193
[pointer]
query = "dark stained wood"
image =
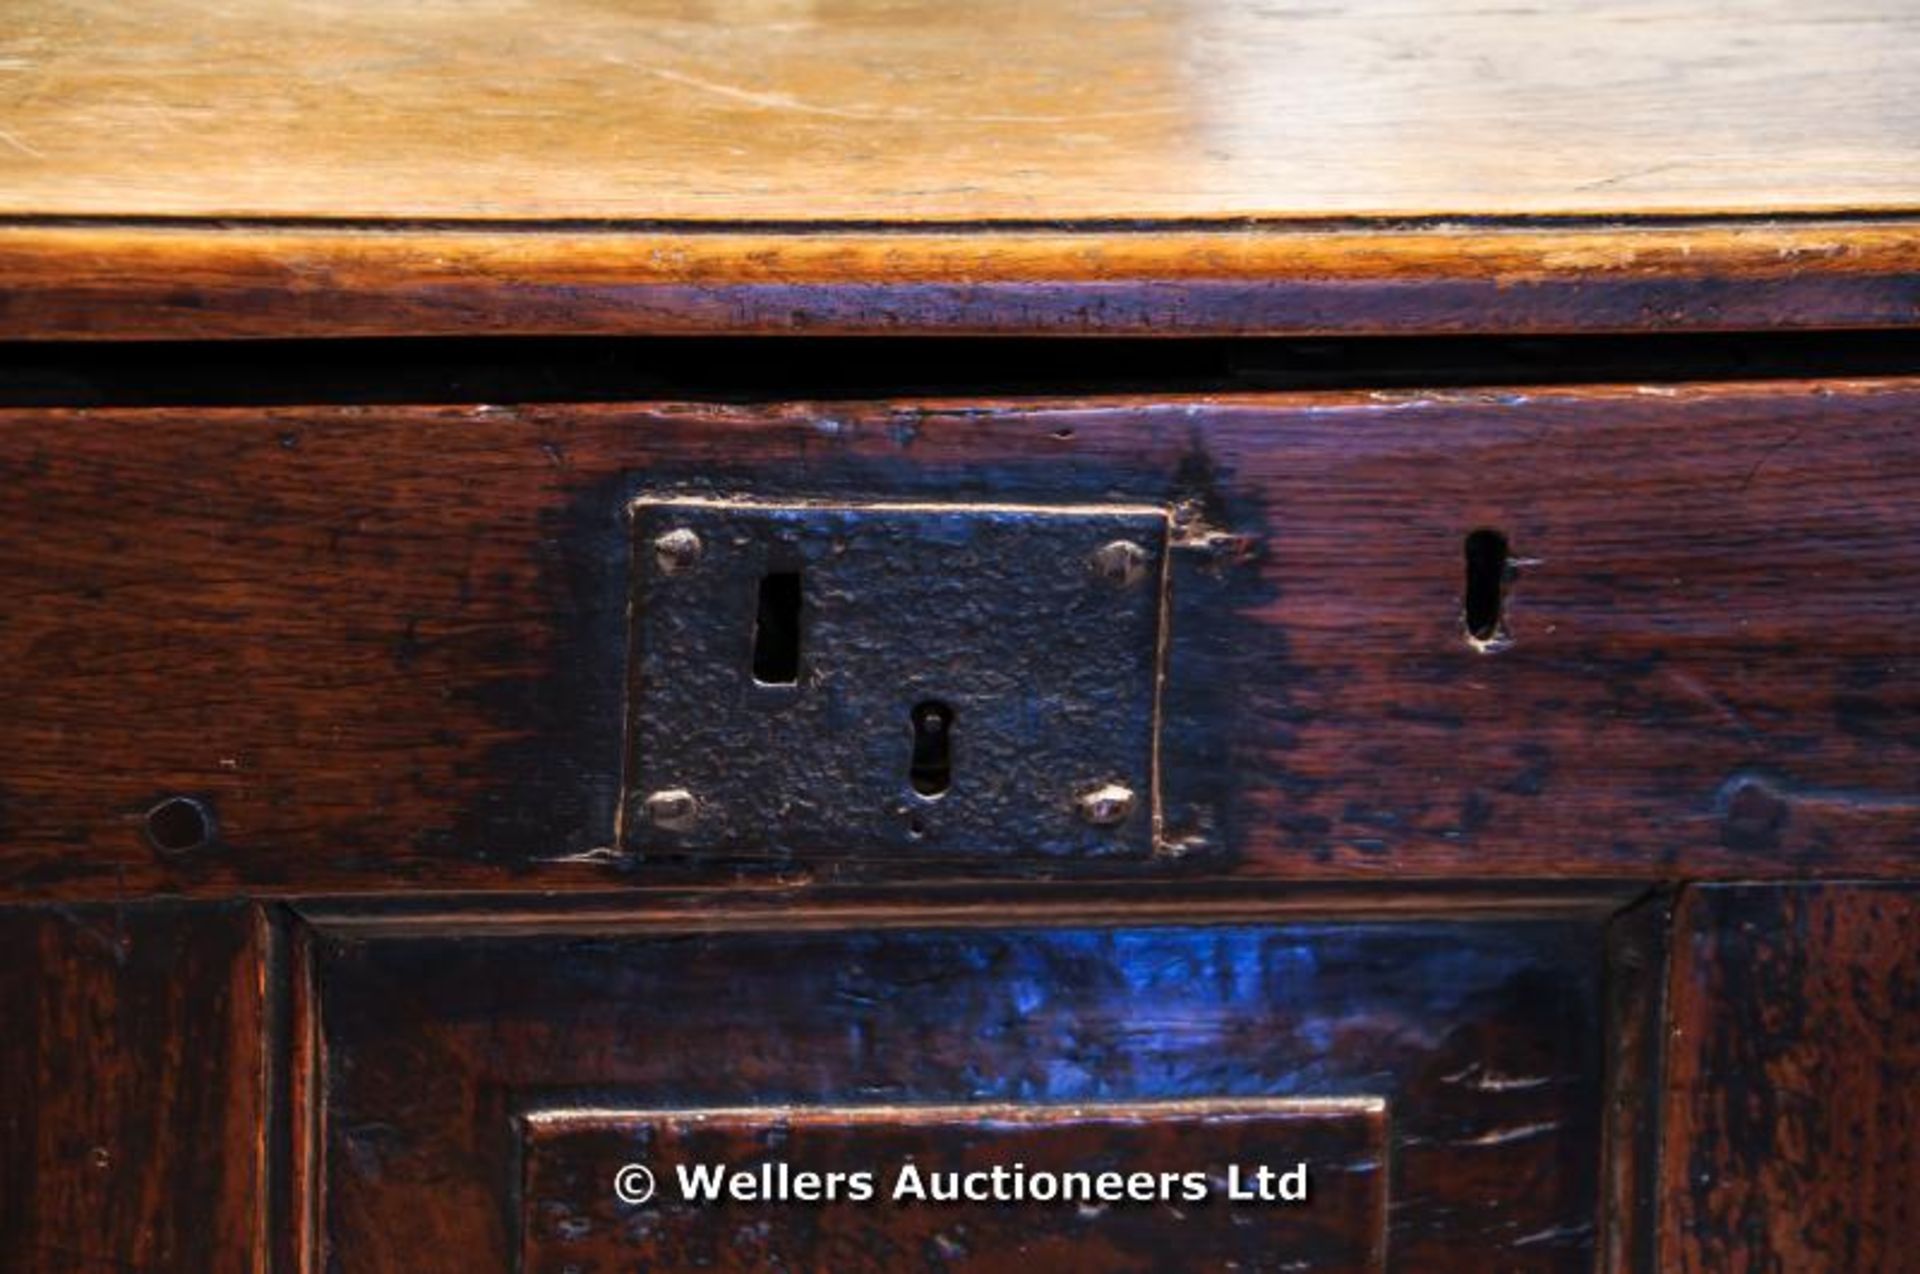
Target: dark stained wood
x,y
385,645
1370,908
1793,1116
94,282
1096,1213
134,1089
295,1200
793,902
1483,1038
1637,962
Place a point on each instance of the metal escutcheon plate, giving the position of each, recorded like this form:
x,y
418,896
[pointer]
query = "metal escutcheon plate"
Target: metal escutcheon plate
x,y
971,680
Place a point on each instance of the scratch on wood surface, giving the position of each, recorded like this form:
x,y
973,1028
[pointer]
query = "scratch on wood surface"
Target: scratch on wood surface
x,y
1506,1136
599,854
1849,798
1767,455
1489,1081
787,102
1694,688
110,937
19,145
1558,1234
1633,175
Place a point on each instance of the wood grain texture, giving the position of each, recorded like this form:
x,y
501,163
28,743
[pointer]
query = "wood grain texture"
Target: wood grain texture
x,y
134,1080
386,645
905,111
1637,967
1484,1039
105,282
1793,1112
572,1223
176,169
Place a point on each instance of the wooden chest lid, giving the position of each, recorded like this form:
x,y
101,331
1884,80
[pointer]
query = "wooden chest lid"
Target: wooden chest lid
x,y
909,111
1077,140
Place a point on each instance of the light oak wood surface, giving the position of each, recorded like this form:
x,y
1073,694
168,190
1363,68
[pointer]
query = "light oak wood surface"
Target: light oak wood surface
x,y
812,111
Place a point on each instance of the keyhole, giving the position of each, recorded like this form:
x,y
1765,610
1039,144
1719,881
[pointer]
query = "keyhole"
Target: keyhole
x,y
932,769
776,630
1485,604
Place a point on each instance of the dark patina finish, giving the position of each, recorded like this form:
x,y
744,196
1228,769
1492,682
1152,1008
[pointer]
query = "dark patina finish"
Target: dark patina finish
x,y
1201,1205
1481,1037
938,678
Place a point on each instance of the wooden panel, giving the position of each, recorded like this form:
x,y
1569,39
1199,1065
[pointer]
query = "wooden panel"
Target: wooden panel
x,y
1636,1029
120,282
797,111
385,645
1483,1038
134,1073
1793,1115
955,1188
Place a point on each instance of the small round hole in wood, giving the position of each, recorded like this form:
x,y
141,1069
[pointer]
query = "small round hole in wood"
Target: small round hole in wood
x,y
180,824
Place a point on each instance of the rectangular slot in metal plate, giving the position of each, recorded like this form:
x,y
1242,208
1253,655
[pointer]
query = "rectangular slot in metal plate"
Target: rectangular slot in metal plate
x,y
939,679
